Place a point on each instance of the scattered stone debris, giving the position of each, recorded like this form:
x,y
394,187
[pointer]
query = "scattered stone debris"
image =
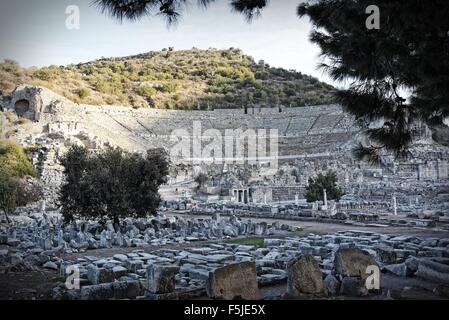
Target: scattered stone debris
x,y
38,240
317,265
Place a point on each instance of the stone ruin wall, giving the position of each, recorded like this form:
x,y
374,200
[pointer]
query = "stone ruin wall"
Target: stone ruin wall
x,y
311,140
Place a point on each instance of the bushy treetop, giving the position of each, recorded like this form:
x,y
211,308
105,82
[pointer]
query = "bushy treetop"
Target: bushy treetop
x,y
317,185
13,160
111,184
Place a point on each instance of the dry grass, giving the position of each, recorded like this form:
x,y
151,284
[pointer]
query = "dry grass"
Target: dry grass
x,y
180,79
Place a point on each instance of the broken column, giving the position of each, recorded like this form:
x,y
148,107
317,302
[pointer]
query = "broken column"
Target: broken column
x,y
41,206
395,206
325,199
434,269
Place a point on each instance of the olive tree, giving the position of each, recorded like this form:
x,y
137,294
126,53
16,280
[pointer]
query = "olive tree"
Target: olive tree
x,y
111,184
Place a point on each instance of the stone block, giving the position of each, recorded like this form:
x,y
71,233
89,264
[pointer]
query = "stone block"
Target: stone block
x,y
33,260
127,289
3,239
50,265
353,262
13,242
99,275
412,264
134,265
433,270
234,281
161,278
386,254
399,269
119,271
121,257
332,285
162,296
97,292
353,287
304,276
115,290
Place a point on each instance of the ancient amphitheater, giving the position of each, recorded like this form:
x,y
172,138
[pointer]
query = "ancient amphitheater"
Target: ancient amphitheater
x,y
310,140
307,130
406,200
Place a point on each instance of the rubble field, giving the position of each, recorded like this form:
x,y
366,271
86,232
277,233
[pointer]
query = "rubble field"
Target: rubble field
x,y
173,257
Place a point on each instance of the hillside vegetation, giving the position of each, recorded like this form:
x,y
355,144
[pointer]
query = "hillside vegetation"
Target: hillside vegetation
x,y
190,79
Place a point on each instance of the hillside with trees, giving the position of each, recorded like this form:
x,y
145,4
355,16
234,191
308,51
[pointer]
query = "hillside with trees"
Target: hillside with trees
x,y
168,79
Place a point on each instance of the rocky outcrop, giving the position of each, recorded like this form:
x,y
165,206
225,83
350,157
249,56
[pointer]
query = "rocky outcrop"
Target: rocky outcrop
x,y
35,103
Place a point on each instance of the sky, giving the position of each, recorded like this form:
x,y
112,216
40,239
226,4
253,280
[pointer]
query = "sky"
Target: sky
x,y
34,33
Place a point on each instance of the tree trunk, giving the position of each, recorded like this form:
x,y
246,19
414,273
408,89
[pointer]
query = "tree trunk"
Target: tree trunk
x,y
116,224
6,215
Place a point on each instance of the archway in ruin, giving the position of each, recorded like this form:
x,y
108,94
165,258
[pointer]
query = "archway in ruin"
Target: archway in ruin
x,y
22,107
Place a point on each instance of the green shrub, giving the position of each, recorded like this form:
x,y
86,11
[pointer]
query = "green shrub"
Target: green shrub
x,y
83,93
11,66
262,75
179,76
170,87
258,242
16,192
201,179
102,86
17,188
146,91
13,160
315,189
47,74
